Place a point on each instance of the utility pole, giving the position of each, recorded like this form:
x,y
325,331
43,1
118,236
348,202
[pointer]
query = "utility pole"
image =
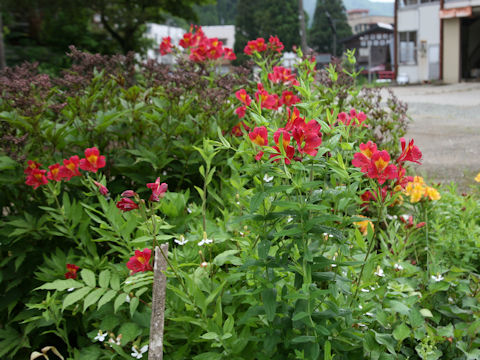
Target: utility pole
x,y
303,30
3,64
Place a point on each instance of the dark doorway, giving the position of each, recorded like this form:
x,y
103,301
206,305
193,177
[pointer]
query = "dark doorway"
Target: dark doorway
x,y
470,48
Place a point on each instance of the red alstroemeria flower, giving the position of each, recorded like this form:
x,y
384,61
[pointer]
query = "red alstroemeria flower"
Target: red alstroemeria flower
x,y
243,96
101,188
354,118
289,98
71,271
36,178
214,49
362,159
240,111
293,119
199,53
158,190
380,168
166,46
70,168
186,41
93,160
128,193
368,196
283,75
409,152
54,173
255,45
228,54
126,204
140,262
285,144
275,44
237,129
308,137
31,165
259,136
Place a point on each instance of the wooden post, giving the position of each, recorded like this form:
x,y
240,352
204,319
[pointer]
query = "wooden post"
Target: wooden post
x,y
155,347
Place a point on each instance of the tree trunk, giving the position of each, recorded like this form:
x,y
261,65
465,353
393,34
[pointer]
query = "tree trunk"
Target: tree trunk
x,y
3,63
303,30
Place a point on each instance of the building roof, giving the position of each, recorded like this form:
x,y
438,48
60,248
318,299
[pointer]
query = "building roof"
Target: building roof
x,y
378,27
354,11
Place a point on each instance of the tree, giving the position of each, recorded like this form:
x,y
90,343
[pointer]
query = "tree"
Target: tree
x,y
221,13
264,18
124,20
321,35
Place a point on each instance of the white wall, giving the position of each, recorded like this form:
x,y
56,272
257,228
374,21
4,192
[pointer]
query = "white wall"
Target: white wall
x,y
221,32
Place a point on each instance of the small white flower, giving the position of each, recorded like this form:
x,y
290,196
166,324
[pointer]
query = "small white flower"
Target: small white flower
x,y
205,241
379,272
128,282
362,325
365,290
100,336
398,267
370,314
238,203
204,264
127,298
289,219
450,300
437,278
70,289
189,210
405,217
267,178
116,341
360,307
138,354
181,241
389,217
164,172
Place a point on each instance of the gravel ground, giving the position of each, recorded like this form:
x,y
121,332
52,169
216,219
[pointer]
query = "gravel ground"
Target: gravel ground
x,y
446,127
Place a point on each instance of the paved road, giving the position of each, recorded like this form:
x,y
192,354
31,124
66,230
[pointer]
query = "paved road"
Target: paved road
x,y
446,127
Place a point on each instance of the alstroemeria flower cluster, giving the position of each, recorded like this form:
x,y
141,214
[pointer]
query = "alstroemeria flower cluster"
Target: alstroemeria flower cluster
x,y
377,164
307,137
199,46
353,118
70,168
130,199
282,75
259,45
266,100
418,190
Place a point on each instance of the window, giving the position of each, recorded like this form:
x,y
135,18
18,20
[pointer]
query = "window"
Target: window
x,y
408,47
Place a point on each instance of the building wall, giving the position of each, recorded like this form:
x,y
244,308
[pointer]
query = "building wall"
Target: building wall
x,y
460,3
424,20
451,52
226,33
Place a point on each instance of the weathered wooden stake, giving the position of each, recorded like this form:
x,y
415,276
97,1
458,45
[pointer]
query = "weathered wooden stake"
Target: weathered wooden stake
x,y
155,348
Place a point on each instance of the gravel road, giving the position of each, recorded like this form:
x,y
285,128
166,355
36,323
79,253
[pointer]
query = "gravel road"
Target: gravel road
x,y
446,127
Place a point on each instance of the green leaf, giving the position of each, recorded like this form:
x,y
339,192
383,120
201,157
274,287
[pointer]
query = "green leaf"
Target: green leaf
x,y
399,307
93,297
209,356
104,278
227,257
61,285
121,299
269,302
109,295
303,339
89,277
115,282
210,336
133,305
426,313
386,340
129,332
77,295
401,332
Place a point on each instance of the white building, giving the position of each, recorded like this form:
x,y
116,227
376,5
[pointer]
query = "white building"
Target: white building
x,y
157,32
438,39
224,33
418,40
